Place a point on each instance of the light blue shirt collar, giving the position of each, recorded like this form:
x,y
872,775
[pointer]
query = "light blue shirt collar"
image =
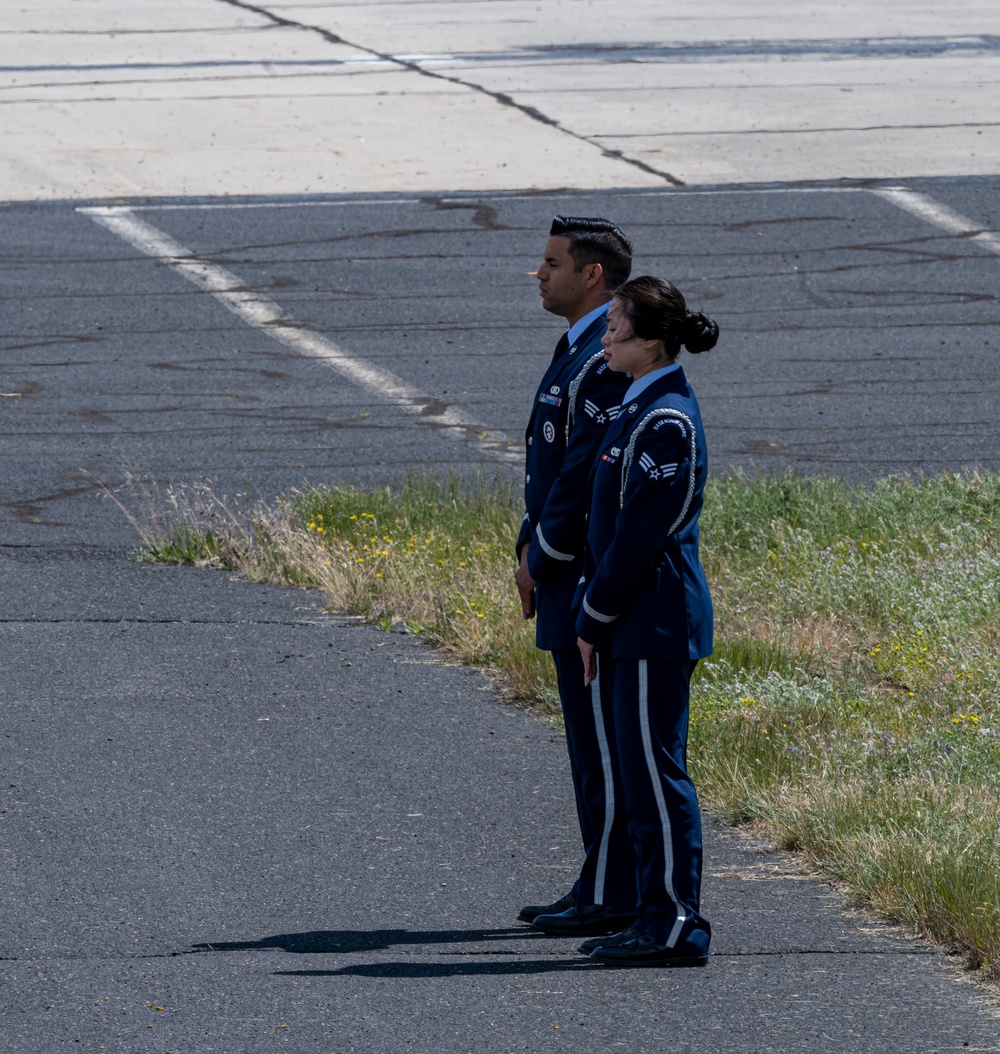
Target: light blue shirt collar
x,y
575,331
636,388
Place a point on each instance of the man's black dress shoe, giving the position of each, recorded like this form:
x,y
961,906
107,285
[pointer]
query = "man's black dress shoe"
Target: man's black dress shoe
x,y
531,911
593,943
643,950
584,920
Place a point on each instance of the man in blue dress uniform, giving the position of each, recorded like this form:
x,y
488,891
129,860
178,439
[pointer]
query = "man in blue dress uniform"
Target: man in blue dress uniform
x,y
585,260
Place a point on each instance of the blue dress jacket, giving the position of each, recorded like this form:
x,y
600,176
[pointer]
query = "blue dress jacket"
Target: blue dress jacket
x,y
643,592
576,400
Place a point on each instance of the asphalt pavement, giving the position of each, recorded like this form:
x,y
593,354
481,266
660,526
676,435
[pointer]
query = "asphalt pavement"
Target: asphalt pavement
x,y
858,338
233,822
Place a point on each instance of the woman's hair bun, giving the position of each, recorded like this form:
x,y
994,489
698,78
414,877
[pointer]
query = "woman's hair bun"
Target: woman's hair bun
x,y
699,332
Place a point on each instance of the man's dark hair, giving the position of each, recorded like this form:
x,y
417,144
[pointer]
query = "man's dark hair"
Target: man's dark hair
x,y
596,240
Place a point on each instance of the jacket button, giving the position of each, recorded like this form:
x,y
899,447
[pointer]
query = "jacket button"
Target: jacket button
x,y
531,440
527,479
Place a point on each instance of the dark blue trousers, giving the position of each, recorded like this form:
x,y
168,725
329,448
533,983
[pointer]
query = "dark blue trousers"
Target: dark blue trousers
x,y
608,874
650,701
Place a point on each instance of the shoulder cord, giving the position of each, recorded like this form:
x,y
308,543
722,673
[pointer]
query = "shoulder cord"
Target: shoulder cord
x,y
664,411
574,389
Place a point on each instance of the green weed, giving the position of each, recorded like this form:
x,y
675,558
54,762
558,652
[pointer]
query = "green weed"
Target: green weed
x,y
852,706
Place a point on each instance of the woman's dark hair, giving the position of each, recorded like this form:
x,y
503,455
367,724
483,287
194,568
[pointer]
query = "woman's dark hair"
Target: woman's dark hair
x,y
656,310
593,239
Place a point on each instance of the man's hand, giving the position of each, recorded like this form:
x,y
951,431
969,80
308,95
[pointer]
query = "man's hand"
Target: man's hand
x,y
589,655
525,585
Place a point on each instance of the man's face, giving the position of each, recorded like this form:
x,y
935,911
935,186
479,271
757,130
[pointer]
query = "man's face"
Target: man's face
x,y
560,285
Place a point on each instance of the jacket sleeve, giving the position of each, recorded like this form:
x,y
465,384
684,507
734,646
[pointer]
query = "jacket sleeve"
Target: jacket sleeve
x,y
523,537
658,493
558,537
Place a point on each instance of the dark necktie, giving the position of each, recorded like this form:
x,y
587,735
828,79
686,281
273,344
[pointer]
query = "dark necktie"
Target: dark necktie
x,y
561,345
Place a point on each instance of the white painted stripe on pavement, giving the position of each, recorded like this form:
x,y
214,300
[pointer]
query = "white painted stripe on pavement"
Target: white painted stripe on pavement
x,y
263,313
926,208
284,203
289,202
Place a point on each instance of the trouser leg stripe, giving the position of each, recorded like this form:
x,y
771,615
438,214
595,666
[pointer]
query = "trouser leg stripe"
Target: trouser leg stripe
x,y
661,805
609,785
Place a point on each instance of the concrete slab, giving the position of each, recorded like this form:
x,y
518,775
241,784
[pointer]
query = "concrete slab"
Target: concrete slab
x,y
405,27
204,97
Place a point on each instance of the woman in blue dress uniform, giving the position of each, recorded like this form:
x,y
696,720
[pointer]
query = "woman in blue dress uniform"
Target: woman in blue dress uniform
x,y
645,609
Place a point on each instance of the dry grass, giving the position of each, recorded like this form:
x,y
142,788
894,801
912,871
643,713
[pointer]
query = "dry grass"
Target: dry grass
x,y
853,702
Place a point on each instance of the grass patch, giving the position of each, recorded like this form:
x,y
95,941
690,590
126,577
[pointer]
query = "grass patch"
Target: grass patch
x,y
429,557
852,706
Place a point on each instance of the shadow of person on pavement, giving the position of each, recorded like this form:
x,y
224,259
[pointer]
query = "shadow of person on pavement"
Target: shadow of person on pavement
x,y
328,942
411,970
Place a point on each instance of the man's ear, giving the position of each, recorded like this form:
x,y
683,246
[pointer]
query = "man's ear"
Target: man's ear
x,y
593,275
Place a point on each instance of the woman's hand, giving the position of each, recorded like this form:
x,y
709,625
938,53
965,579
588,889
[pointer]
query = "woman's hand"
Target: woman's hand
x,y
589,655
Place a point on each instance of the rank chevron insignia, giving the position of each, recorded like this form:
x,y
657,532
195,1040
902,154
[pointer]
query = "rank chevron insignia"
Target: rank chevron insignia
x,y
602,417
655,471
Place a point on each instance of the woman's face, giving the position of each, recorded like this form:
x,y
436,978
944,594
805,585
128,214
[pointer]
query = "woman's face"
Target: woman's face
x,y
624,352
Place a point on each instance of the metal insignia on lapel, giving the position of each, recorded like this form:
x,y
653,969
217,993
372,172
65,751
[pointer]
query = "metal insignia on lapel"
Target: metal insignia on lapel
x,y
554,389
632,409
572,350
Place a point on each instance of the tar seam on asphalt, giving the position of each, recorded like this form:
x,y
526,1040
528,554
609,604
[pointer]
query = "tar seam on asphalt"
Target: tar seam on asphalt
x,y
501,97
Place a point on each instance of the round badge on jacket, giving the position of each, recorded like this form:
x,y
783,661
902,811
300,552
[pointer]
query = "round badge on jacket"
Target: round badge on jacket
x,y
549,431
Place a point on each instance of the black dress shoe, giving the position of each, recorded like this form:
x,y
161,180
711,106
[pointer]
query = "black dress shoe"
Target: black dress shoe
x,y
584,920
591,944
643,950
532,911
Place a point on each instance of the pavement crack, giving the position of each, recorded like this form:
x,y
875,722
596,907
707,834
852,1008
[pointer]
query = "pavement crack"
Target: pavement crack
x,y
486,217
500,97
811,130
779,952
164,622
102,957
491,952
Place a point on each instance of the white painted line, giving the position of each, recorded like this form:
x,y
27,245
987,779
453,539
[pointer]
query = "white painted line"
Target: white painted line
x,y
179,206
263,313
940,216
472,197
